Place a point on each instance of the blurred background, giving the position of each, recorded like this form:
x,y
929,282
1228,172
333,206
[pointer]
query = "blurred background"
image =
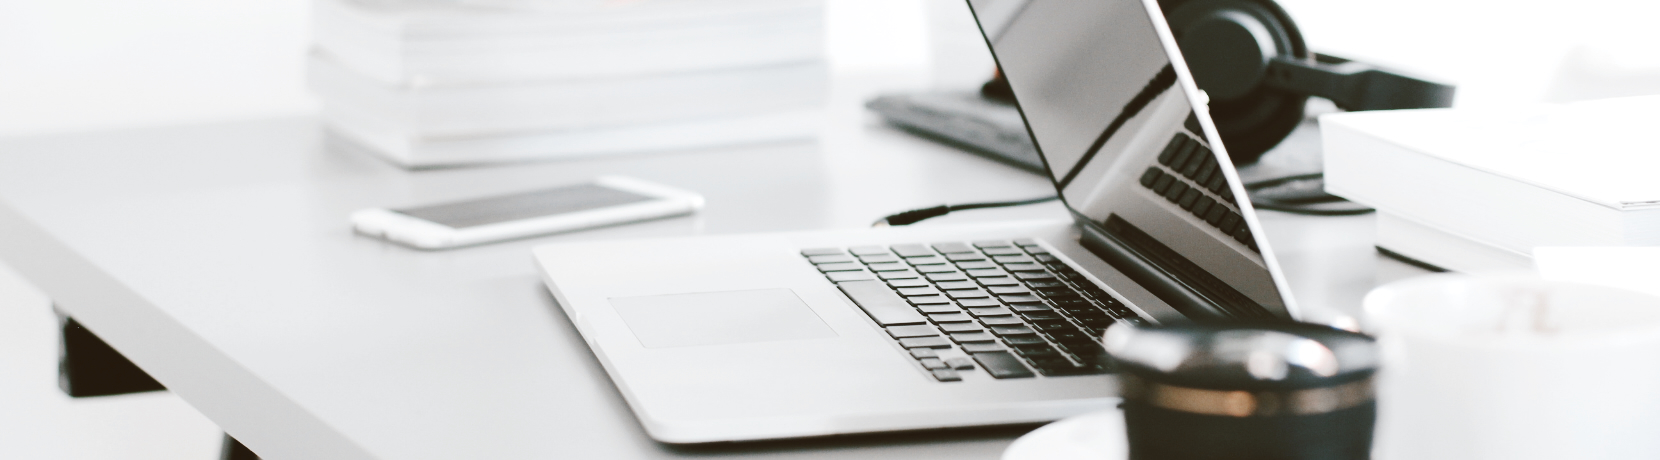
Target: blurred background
x,y
78,65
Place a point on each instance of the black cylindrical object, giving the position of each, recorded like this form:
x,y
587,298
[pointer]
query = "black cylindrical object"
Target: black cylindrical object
x,y
1246,392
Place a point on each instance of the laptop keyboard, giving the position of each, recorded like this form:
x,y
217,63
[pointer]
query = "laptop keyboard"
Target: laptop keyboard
x,y
1005,308
1191,178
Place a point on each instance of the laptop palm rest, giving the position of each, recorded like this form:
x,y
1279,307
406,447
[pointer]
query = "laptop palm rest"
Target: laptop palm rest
x,y
719,318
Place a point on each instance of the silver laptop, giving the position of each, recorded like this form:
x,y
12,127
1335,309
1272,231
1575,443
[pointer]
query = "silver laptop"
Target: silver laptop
x,y
747,337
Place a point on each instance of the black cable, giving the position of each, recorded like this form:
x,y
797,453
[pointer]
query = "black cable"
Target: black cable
x,y
1301,207
917,215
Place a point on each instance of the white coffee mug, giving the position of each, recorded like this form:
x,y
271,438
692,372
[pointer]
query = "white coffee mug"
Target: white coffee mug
x,y
1515,367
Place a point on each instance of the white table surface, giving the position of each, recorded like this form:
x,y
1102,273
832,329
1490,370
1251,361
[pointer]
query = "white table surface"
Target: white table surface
x,y
218,258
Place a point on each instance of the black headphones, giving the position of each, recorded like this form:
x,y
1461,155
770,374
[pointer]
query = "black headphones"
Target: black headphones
x,y
1251,60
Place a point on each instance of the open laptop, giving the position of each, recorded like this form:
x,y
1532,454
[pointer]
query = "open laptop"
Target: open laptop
x,y
746,337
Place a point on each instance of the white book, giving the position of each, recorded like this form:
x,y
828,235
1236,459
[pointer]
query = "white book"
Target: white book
x,y
414,44
1579,174
415,151
1438,248
568,104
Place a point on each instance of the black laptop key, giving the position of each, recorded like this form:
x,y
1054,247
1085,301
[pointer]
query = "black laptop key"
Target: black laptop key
x,y
1034,276
1189,199
950,285
1151,176
1163,184
967,294
927,260
934,308
1008,290
1175,192
965,337
850,276
920,330
920,353
1021,299
975,264
1062,335
1045,284
1243,235
1004,281
926,269
989,311
881,303
1012,330
878,258
1001,321
1002,251
1183,151
959,327
1216,214
1023,339
932,363
1026,307
1205,170
1029,351
925,300
912,250
947,318
907,274
1046,258
918,291
908,283
1230,222
1042,315
1024,267
1001,364
831,258
961,364
1013,259
1191,169
888,267
1217,183
925,342
951,248
987,273
1202,206
1050,326
821,251
946,375
953,276
1171,149
981,347
979,302
1076,305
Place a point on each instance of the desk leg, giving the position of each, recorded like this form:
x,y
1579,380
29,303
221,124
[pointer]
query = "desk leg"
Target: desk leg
x,y
89,367
234,450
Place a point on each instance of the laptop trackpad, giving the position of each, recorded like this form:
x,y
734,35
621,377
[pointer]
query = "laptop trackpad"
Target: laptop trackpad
x,y
714,318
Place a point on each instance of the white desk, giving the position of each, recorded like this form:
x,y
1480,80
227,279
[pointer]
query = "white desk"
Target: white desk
x,y
218,258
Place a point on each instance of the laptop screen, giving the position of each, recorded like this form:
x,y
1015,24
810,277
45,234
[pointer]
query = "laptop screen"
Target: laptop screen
x,y
1105,105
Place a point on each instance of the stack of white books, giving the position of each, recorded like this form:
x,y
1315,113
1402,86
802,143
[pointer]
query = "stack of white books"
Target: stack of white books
x,y
1478,190
443,83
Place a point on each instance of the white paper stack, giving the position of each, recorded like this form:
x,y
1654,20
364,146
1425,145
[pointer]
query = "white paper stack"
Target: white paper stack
x,y
438,83
1478,190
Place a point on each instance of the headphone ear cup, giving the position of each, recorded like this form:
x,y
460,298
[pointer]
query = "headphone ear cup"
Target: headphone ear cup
x,y
1228,45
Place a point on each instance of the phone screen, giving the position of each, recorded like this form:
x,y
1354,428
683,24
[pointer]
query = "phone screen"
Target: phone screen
x,y
520,206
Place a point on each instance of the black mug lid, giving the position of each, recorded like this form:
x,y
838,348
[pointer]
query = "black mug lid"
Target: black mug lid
x,y
1257,357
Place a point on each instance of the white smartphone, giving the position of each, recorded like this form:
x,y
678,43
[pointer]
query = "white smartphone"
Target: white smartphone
x,y
605,201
